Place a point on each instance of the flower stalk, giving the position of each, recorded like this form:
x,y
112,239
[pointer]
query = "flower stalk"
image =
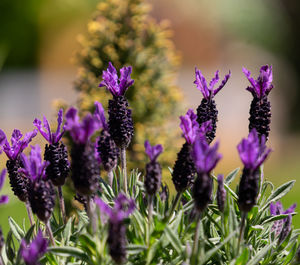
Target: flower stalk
x,y
29,212
62,204
124,169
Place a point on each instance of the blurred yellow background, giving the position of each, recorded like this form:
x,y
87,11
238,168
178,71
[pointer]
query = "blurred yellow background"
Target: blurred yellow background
x,y
38,41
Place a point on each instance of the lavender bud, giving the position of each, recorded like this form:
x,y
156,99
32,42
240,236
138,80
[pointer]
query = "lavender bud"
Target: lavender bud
x,y
18,182
117,241
153,169
260,110
108,151
221,193
85,169
164,194
248,189
202,191
120,121
41,195
207,110
184,169
58,169
286,229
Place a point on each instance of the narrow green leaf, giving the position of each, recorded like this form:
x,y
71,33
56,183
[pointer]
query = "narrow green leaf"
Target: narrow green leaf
x,y
173,239
270,219
70,251
67,231
291,254
29,233
243,258
10,248
16,229
261,254
231,176
133,249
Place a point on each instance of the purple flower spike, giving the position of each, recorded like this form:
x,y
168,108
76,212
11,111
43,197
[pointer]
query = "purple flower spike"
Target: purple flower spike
x,y
17,145
117,86
33,252
205,157
253,151
3,198
209,92
82,131
153,151
54,137
263,85
34,167
100,115
122,209
189,126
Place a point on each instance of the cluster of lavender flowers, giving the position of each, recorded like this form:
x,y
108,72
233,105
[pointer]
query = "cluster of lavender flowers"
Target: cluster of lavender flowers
x,y
33,179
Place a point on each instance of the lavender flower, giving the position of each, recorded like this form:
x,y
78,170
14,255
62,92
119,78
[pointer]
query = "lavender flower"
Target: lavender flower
x,y
120,117
41,193
13,151
117,231
85,167
260,109
286,229
205,159
207,110
106,147
31,253
253,153
56,152
3,200
153,169
221,193
277,209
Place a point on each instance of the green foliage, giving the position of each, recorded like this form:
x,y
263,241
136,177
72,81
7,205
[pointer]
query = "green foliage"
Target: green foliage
x,y
123,32
169,242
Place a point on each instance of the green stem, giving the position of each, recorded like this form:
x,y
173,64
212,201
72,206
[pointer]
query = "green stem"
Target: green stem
x,y
243,221
91,214
174,206
29,212
150,212
49,232
124,169
196,239
62,204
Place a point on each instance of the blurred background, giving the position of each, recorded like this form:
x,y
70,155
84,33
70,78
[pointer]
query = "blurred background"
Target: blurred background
x,y
38,42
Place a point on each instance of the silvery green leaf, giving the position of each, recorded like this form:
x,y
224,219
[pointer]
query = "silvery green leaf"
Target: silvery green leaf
x,y
231,176
16,229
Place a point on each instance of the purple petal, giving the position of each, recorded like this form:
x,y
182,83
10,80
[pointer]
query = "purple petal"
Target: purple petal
x,y
103,207
153,151
59,131
2,139
38,124
201,84
2,177
100,115
291,209
4,199
223,83
214,81
125,80
273,209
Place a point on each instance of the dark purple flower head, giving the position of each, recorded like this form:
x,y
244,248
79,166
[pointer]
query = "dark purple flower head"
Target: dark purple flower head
x,y
153,151
205,157
117,86
51,137
17,145
81,131
33,166
35,250
100,115
263,85
209,92
3,198
122,209
253,151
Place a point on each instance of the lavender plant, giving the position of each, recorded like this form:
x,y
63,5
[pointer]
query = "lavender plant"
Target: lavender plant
x,y
143,223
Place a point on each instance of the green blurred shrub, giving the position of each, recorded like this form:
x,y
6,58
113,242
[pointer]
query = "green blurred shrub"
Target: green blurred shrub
x,y
123,32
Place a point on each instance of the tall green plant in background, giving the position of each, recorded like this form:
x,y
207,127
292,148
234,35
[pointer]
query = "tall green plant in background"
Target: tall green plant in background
x,y
123,32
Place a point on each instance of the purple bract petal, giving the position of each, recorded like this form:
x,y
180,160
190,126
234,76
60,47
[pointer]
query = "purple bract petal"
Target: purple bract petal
x,y
100,115
35,250
3,199
122,209
208,91
153,151
33,166
263,85
45,130
189,126
81,132
205,157
253,151
17,145
117,86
